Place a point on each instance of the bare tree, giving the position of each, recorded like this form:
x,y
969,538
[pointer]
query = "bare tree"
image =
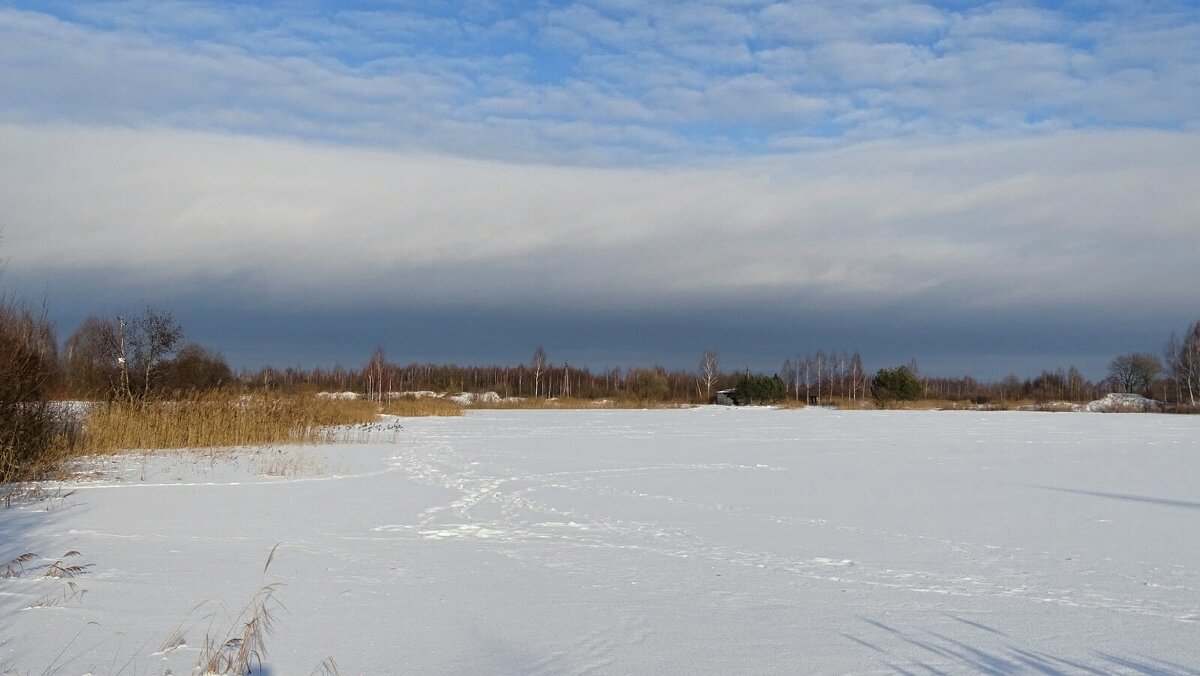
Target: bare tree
x,y
820,364
153,339
1134,372
92,359
1183,362
373,374
858,377
538,366
708,371
789,372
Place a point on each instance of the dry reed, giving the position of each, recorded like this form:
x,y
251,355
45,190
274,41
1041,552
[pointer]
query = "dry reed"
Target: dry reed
x,y
216,420
573,403
790,404
245,644
923,405
419,407
16,567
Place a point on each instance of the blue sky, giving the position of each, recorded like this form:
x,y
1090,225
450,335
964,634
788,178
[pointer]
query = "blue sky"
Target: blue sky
x,y
982,186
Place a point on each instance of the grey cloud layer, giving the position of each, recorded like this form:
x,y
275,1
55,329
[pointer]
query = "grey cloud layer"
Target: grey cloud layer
x,y
604,80
985,225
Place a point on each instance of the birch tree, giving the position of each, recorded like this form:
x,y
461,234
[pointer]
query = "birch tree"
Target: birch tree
x,y
373,373
708,371
1183,362
538,366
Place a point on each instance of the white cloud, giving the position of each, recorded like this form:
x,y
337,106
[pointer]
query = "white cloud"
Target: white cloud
x,y
1010,23
710,78
817,22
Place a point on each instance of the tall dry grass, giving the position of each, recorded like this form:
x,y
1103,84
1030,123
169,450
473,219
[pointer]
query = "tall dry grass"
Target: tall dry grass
x,y
200,420
924,404
790,404
420,407
213,420
572,403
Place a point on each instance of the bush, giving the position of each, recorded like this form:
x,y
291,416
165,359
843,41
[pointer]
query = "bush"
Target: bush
x,y
647,385
897,384
31,428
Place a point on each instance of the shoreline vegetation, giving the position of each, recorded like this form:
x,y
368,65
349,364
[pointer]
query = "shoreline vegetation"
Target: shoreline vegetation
x,y
139,385
225,419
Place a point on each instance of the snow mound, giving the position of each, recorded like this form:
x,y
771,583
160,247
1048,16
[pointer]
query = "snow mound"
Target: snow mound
x,y
1124,402
338,395
477,398
417,394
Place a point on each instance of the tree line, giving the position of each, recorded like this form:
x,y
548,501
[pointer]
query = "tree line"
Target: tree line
x,y
146,354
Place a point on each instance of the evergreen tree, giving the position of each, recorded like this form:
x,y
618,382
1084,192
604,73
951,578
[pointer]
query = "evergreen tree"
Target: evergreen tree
x,y
898,383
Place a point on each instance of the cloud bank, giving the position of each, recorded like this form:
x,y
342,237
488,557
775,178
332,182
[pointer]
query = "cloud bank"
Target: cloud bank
x,y
982,227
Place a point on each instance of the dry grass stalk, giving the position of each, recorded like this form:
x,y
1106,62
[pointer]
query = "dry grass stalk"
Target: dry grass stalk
x,y
16,567
60,569
286,465
19,493
175,641
60,597
245,645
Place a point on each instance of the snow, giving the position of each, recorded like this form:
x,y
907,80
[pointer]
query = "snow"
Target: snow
x,y
418,394
468,398
711,540
1124,402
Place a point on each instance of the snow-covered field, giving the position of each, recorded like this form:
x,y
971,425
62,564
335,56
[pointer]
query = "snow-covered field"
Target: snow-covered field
x,y
711,540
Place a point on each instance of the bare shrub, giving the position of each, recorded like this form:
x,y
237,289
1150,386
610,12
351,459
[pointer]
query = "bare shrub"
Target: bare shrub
x,y
93,351
32,429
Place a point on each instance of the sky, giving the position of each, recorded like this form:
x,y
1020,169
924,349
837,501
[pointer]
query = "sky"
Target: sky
x,y
988,188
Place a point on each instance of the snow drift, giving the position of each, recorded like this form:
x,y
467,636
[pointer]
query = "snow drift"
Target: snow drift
x,y
1124,402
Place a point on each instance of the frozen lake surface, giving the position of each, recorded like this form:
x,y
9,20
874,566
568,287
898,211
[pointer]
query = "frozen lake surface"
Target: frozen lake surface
x,y
711,540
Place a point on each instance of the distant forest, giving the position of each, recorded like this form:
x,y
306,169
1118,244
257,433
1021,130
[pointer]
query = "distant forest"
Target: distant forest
x,y
148,353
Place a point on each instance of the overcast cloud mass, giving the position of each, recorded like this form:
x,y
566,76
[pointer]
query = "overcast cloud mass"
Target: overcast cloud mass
x,y
987,187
